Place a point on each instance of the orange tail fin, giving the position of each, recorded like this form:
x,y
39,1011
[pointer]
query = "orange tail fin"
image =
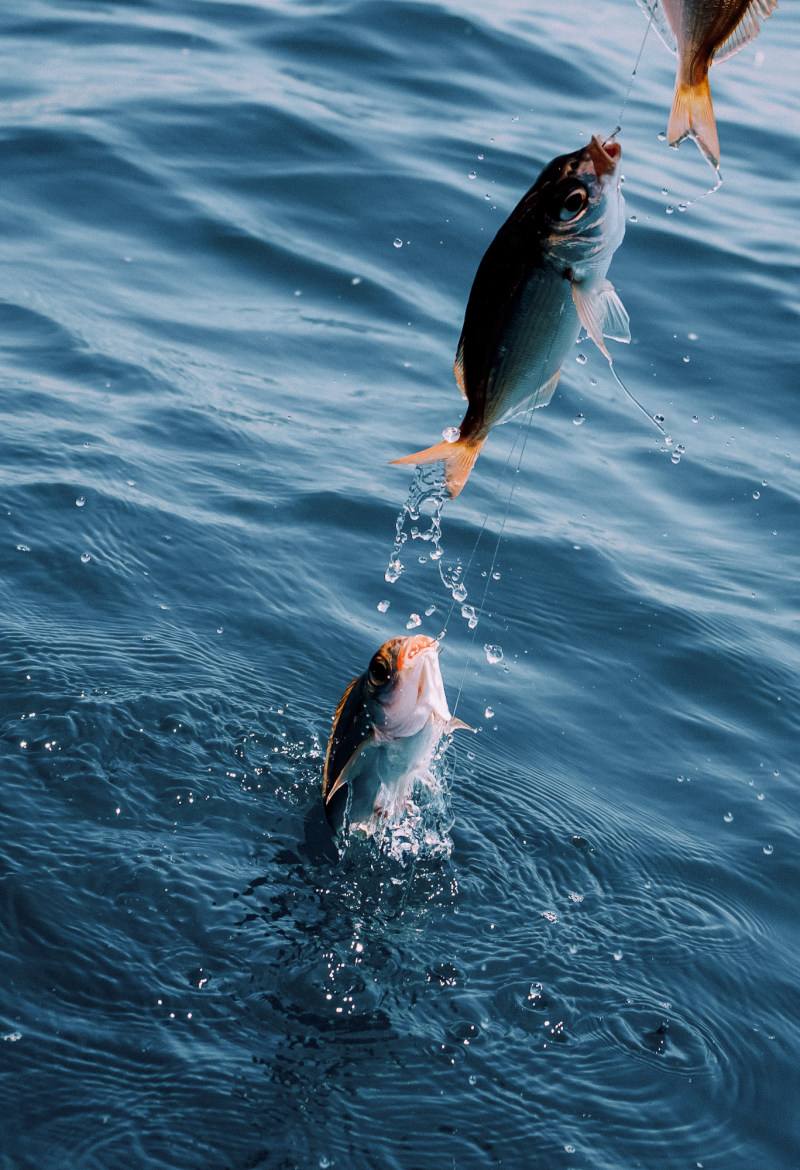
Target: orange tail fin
x,y
693,114
458,458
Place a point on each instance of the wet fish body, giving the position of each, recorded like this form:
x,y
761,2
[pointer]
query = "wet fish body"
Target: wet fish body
x,y
541,279
385,731
701,33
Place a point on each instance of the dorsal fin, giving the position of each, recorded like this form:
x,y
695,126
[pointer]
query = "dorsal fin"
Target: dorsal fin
x,y
654,11
458,365
747,29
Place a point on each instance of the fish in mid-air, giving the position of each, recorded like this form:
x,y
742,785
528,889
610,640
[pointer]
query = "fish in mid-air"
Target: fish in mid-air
x,y
702,32
386,728
541,279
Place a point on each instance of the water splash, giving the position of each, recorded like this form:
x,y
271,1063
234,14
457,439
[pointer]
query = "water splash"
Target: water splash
x,y
420,518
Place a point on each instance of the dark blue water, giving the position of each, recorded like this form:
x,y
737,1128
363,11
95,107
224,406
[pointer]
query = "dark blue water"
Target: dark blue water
x,y
211,348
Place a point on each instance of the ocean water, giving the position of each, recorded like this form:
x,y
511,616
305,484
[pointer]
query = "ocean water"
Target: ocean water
x,y
211,348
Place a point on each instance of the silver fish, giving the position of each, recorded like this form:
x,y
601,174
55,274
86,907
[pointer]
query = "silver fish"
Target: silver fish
x,y
541,279
385,730
702,32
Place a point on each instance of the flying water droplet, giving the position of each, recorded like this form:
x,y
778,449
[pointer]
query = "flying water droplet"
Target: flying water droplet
x,y
728,817
659,418
451,434
686,359
670,210
414,620
494,654
768,850
756,495
581,359
617,955
469,615
383,606
459,592
23,548
393,570
579,419
398,243
80,502
472,175
85,558
489,713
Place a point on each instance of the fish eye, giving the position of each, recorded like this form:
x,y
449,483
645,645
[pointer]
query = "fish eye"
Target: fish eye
x,y
573,204
379,671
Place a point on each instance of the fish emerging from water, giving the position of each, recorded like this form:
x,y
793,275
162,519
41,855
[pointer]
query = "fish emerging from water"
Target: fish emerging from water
x,y
541,279
702,32
385,730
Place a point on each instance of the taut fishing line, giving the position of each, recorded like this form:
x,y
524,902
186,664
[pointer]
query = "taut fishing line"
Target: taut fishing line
x,y
633,74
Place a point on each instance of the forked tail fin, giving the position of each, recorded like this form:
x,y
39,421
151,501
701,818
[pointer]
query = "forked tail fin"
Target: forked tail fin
x,y
458,458
693,114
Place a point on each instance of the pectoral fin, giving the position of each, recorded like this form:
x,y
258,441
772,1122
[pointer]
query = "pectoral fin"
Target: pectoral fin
x,y
602,314
456,724
547,391
351,769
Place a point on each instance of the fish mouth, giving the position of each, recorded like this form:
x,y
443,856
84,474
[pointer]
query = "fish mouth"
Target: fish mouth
x,y
604,155
414,646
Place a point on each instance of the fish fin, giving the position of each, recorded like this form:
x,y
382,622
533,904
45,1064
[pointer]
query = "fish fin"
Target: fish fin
x,y
747,29
458,366
602,314
350,770
458,458
547,391
456,724
655,13
693,115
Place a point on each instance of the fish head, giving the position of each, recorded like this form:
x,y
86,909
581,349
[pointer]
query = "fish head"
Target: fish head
x,y
583,208
404,686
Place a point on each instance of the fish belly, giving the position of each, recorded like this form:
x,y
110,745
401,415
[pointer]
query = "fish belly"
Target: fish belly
x,y
385,783
542,327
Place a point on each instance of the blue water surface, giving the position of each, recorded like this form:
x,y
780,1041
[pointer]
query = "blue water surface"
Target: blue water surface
x,y
211,348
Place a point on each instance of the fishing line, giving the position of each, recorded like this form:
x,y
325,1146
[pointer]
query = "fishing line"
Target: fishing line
x,y
635,69
634,399
481,610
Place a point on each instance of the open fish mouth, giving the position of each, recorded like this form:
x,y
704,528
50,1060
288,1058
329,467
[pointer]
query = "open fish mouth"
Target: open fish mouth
x,y
604,155
413,647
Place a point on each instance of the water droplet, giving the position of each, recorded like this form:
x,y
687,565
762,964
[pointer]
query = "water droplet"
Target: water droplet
x,y
459,592
764,483
756,495
472,175
664,191
634,219
298,292
393,570
85,558
437,553
496,575
568,1149
675,457
679,447
430,611
451,434
355,280
682,206
728,817
693,336
23,548
398,243
579,419
661,136
494,654
12,1037
80,502
686,359
220,629
768,850
469,615
670,210
488,713
414,620
659,418
550,915
383,606
759,796
130,482
617,956
581,359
